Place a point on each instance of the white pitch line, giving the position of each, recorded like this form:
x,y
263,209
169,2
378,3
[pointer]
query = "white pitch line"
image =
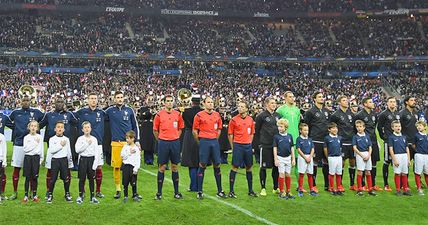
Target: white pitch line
x,y
246,212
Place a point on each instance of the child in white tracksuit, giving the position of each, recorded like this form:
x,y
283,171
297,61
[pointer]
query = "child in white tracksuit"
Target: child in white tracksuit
x,y
34,152
131,156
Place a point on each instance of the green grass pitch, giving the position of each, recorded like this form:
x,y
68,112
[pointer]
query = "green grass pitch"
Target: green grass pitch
x,y
386,208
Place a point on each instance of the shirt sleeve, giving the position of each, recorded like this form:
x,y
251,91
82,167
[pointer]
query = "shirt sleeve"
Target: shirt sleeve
x,y
81,145
354,140
275,141
156,123
196,122
4,148
180,122
325,142
41,149
124,153
291,138
298,145
390,142
220,123
138,161
231,127
307,117
134,124
54,147
252,127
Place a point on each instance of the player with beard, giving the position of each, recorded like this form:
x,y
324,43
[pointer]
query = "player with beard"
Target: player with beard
x,y
122,119
317,120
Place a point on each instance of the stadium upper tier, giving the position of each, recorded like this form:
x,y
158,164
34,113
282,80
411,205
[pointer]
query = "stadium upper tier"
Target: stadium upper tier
x,y
245,5
374,37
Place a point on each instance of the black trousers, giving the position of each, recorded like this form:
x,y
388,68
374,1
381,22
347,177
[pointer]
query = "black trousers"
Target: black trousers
x,y
128,177
60,167
31,172
86,171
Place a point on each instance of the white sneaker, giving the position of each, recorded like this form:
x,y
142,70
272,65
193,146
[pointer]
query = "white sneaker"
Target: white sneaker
x,y
94,201
421,192
79,200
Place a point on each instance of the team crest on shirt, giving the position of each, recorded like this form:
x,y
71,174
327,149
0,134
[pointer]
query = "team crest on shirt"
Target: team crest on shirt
x,y
98,119
267,119
397,117
249,130
65,119
31,116
326,114
125,117
373,118
390,117
409,117
350,118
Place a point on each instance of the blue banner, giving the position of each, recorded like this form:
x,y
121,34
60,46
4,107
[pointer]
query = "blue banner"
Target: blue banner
x,y
181,57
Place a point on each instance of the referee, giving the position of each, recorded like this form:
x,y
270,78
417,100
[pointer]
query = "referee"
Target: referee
x,y
207,127
241,133
167,128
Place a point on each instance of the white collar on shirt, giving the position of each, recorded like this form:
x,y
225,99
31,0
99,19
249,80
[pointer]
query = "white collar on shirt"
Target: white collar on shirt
x,y
361,135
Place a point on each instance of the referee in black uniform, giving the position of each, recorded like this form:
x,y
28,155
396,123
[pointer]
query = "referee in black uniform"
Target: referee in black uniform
x,y
265,129
385,119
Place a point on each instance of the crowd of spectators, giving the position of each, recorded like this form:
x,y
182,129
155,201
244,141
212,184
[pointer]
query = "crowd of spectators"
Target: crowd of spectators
x,y
218,80
374,37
